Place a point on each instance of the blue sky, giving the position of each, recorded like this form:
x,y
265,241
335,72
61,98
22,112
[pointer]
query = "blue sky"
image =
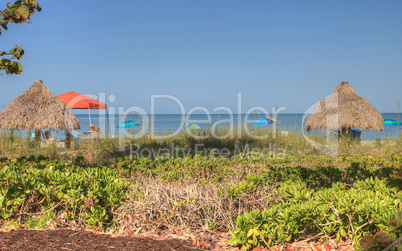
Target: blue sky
x,y
290,53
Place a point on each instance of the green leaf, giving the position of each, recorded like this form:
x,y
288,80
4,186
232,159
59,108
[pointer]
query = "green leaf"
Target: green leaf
x,y
256,233
4,215
398,218
250,233
237,241
231,242
23,12
342,232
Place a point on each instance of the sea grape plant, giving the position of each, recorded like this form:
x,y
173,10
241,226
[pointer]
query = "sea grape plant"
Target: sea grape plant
x,y
18,12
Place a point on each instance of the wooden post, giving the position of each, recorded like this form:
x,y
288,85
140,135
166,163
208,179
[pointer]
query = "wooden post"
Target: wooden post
x,y
108,121
68,140
276,119
343,133
37,137
399,110
47,135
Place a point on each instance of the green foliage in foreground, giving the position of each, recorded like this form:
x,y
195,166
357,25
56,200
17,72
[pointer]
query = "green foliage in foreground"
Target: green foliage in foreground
x,y
365,200
36,185
337,211
350,196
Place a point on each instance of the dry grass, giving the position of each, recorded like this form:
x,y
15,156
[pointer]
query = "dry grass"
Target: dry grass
x,y
104,149
186,205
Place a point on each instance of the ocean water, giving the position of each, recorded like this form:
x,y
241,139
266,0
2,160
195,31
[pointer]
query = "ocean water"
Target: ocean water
x,y
165,124
161,124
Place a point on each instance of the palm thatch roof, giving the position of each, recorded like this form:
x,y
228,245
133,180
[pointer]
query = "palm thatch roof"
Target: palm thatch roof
x,y
344,109
37,108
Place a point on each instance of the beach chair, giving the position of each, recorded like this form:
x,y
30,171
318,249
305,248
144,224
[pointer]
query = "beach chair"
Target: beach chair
x,y
92,133
45,139
92,130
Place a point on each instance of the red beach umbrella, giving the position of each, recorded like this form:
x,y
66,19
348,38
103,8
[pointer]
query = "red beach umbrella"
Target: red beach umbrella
x,y
78,101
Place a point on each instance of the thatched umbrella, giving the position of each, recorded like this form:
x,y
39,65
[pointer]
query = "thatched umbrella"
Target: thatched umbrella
x,y
37,108
344,110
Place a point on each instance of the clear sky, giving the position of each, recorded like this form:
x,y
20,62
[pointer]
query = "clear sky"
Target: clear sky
x,y
290,53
